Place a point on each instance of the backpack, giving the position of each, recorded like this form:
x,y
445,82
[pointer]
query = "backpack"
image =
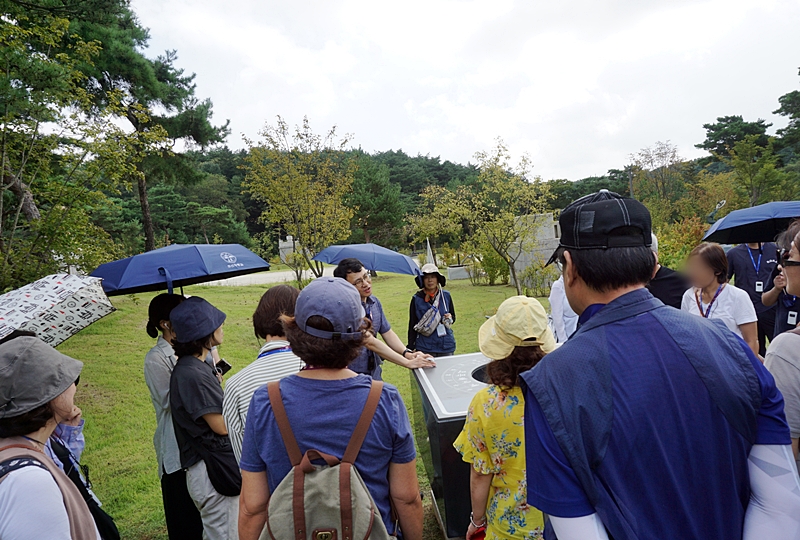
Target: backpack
x,y
328,502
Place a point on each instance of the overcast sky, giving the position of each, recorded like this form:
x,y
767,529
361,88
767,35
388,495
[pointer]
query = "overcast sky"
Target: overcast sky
x,y
577,84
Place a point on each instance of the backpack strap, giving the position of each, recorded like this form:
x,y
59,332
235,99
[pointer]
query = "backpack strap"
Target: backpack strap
x,y
275,399
350,455
362,427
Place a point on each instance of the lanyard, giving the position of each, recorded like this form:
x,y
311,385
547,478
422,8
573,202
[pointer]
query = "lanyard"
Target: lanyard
x,y
756,266
368,311
274,351
700,306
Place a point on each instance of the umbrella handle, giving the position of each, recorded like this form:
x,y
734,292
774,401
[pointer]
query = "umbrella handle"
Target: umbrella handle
x,y
164,272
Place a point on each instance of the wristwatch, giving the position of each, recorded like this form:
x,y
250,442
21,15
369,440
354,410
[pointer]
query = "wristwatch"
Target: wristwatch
x,y
407,351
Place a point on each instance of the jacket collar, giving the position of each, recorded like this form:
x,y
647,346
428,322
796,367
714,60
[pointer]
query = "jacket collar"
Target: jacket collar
x,y
628,305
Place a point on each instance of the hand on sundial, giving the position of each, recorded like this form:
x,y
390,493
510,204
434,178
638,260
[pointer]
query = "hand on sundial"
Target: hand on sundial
x,y
421,360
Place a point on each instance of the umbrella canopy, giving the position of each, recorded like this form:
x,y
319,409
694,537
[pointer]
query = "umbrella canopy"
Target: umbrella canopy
x,y
760,223
372,256
178,265
54,307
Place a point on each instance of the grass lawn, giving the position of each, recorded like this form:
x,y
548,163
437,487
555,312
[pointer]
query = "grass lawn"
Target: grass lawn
x,y
120,421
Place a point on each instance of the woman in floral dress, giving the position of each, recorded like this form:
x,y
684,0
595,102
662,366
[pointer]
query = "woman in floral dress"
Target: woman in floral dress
x,y
492,440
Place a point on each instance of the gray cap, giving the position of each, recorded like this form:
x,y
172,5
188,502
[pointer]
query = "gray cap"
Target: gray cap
x,y
195,318
336,300
32,373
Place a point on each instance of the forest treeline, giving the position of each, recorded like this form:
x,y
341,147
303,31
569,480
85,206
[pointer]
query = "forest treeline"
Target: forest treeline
x,y
92,125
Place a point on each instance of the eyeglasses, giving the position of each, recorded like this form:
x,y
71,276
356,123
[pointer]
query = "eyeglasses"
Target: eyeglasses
x,y
785,260
78,380
365,278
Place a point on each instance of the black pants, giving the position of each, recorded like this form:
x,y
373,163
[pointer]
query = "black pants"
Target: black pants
x,y
766,330
183,517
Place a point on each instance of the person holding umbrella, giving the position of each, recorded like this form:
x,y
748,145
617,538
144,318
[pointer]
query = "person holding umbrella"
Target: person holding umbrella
x,y
786,305
751,266
431,315
182,517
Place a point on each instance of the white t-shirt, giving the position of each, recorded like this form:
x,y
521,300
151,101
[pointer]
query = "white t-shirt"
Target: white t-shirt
x,y
565,321
31,506
733,307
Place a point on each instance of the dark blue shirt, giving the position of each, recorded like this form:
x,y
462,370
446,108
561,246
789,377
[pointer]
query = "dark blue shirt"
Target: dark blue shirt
x,y
434,343
787,308
323,415
742,265
380,325
674,465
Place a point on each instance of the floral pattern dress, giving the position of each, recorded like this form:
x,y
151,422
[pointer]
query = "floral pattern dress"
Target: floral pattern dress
x,y
493,442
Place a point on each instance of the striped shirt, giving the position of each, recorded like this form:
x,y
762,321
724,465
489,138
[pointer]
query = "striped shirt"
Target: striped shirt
x,y
275,361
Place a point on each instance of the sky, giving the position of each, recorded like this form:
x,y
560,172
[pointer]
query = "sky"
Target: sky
x,y
577,85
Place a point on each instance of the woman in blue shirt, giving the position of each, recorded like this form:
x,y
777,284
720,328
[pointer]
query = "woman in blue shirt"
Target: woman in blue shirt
x,y
441,342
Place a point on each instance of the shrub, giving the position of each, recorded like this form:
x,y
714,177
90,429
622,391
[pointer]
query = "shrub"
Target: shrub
x,y
676,241
494,266
537,279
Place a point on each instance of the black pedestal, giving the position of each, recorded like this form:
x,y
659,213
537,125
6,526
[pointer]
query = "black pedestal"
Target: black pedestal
x,y
439,407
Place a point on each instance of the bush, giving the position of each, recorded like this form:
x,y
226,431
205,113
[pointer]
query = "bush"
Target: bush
x,y
537,279
494,266
677,240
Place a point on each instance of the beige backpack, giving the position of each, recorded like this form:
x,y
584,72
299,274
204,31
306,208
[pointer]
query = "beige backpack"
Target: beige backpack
x,y
329,502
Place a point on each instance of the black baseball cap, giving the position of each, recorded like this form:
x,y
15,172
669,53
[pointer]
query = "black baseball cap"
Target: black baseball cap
x,y
603,220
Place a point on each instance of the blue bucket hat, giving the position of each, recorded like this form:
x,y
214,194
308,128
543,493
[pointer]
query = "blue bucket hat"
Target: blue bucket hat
x,y
195,318
336,300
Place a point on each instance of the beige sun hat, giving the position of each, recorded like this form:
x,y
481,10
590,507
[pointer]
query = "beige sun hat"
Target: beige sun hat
x,y
520,322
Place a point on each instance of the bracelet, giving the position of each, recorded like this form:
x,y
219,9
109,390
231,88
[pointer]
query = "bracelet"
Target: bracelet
x,y
472,521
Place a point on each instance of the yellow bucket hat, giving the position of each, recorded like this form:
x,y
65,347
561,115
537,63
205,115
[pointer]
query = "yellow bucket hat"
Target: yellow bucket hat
x,y
520,322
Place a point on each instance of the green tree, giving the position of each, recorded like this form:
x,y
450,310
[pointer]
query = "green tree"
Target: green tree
x,y
375,200
790,108
722,135
435,218
54,176
302,179
504,205
756,173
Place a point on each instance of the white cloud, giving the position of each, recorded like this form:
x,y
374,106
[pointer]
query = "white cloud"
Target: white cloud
x,y
579,84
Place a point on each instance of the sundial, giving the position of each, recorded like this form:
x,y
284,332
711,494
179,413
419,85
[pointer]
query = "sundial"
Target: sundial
x,y
451,385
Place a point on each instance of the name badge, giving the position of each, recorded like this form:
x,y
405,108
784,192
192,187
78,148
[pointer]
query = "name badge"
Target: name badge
x,y
759,286
792,318
442,331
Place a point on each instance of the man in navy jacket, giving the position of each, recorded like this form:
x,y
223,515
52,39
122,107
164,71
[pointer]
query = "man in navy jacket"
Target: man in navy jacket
x,y
648,422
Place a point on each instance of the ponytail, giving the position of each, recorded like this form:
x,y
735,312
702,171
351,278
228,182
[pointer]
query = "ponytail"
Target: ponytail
x,y
160,308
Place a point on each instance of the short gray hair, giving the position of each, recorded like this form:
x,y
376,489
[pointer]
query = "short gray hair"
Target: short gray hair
x,y
654,243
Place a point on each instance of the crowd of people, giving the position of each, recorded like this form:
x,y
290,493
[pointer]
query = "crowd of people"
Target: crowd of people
x,y
642,407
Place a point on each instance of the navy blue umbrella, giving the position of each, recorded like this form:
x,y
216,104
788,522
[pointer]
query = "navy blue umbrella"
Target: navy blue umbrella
x,y
372,256
760,223
177,265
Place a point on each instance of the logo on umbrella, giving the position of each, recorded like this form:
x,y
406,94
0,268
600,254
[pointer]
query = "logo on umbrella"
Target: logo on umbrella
x,y
229,258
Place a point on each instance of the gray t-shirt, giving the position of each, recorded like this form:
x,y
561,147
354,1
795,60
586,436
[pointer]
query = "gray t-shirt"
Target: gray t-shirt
x,y
783,361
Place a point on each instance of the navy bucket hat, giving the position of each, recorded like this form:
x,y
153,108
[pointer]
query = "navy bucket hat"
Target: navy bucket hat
x,y
195,318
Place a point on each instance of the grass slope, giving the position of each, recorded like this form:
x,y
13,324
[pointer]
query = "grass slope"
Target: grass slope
x,y
116,403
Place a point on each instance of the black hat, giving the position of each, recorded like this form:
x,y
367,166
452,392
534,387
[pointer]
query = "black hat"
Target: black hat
x,y
195,318
591,222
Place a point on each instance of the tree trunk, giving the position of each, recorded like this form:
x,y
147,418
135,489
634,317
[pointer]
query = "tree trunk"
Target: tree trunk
x,y
147,219
513,272
23,193
366,236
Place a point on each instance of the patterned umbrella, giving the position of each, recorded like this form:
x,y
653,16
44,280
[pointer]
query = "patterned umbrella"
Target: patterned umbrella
x,y
55,307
